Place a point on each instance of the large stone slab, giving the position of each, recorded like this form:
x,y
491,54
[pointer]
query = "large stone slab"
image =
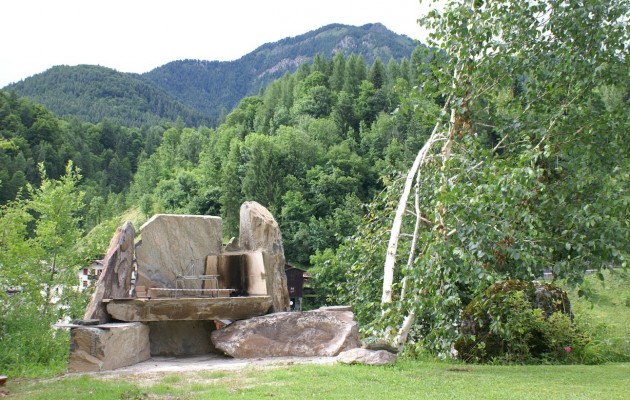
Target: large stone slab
x,y
167,309
175,245
301,334
109,346
259,231
181,338
115,279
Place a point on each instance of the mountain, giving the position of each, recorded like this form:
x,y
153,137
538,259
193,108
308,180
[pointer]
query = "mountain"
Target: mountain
x,y
209,86
92,93
195,90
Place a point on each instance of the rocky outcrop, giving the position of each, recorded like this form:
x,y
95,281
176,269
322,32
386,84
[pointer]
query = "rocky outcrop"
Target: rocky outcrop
x,y
175,245
366,356
301,334
115,279
259,231
185,282
108,346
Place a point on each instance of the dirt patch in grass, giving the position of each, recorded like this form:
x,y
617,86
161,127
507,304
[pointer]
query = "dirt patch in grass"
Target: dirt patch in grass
x,y
206,368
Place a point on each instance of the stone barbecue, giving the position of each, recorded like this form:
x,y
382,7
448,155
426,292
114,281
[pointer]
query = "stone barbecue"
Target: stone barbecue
x,y
186,280
192,295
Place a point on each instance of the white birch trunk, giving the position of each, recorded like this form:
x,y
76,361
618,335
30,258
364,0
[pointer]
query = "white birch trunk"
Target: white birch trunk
x,y
405,328
392,247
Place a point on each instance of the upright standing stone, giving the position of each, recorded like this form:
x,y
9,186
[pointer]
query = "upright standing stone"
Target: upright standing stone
x,y
115,279
175,245
259,231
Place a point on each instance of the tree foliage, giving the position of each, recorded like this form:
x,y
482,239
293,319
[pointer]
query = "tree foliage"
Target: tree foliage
x,y
304,147
39,261
526,172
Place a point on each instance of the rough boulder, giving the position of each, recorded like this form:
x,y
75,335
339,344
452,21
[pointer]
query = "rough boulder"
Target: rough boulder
x,y
366,356
259,231
300,334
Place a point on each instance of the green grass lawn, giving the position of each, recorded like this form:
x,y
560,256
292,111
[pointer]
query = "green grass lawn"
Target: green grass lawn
x,y
405,380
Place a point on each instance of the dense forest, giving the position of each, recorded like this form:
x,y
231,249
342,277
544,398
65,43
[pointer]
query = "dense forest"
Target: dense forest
x,y
106,153
406,187
92,93
312,148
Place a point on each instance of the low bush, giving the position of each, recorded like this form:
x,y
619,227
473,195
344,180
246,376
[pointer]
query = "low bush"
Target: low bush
x,y
523,322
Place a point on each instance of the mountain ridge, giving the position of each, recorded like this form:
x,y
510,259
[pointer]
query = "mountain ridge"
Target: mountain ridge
x,y
199,91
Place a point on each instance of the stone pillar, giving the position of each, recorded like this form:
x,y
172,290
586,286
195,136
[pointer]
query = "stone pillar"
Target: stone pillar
x,y
259,231
115,279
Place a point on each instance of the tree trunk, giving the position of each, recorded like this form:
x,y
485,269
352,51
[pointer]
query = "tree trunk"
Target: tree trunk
x,y
392,247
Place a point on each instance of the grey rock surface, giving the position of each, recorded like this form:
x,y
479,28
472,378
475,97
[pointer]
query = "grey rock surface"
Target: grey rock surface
x,y
175,245
115,279
366,356
181,338
302,334
259,231
166,309
108,346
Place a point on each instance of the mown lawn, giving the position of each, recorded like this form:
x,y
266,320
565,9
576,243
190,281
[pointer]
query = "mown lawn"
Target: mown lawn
x,y
405,380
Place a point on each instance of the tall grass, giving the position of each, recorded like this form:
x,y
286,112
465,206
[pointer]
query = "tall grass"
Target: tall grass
x,y
30,346
604,313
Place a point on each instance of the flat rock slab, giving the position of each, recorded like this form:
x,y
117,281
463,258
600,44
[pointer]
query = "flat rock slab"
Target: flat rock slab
x,y
167,309
366,356
175,245
157,365
299,334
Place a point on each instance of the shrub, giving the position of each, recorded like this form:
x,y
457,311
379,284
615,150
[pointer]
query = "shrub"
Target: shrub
x,y
522,322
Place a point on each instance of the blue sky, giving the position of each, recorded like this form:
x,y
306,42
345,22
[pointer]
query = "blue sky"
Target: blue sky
x,y
139,35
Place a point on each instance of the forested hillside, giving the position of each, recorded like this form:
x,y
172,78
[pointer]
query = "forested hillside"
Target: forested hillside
x,y
199,92
106,153
312,147
92,93
213,87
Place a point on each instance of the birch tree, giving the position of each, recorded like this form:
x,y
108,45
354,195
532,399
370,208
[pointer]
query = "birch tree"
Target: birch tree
x,y
558,52
522,171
